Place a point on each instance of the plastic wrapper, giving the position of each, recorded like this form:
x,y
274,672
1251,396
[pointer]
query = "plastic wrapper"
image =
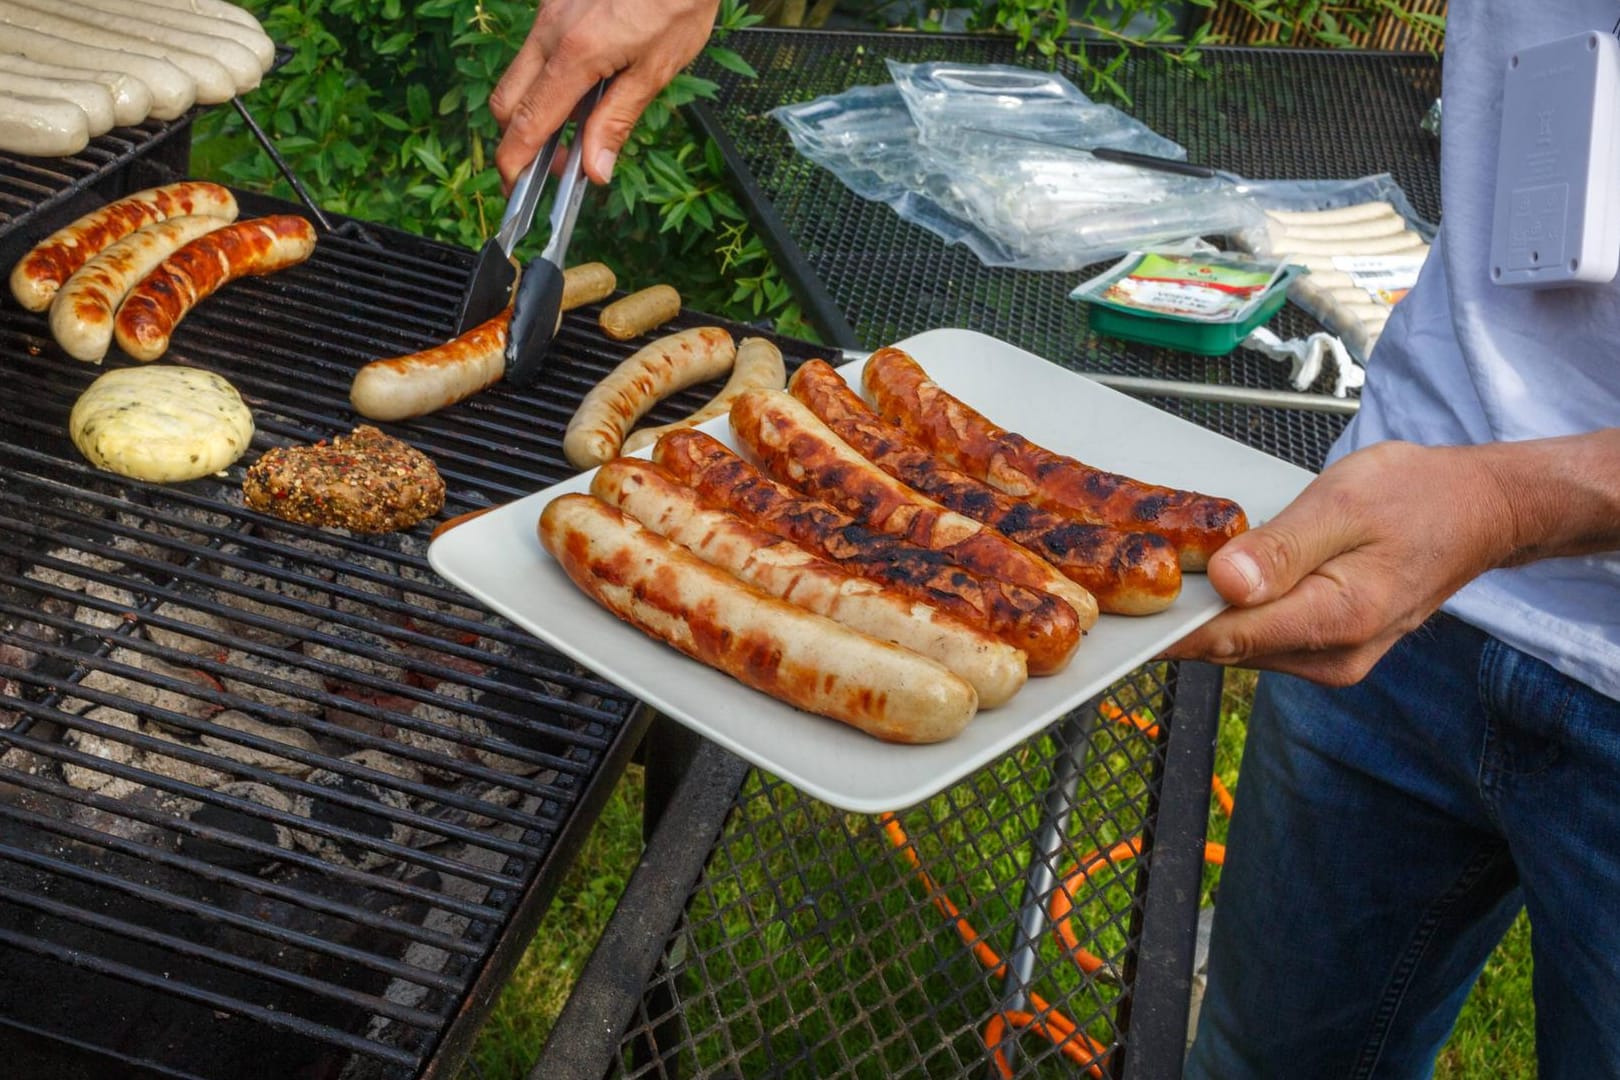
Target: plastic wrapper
x,y
946,100
1013,199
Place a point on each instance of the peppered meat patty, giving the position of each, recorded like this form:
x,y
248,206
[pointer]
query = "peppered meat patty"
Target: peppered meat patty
x,y
364,481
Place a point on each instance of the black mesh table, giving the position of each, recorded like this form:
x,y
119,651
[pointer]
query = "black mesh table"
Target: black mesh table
x,y
1038,919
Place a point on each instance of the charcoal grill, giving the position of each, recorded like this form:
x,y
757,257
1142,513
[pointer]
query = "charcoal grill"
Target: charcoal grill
x,y
339,889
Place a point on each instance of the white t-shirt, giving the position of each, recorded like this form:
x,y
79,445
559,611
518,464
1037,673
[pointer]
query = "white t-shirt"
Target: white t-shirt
x,y
1464,361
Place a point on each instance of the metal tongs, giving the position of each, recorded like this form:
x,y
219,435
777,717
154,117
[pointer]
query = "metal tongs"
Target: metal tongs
x,y
537,295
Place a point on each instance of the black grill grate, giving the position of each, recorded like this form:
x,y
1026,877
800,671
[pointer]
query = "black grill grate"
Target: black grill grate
x,y
1265,114
297,910
34,187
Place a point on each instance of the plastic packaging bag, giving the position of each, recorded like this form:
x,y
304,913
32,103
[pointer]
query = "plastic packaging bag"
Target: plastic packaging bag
x,y
1015,201
946,100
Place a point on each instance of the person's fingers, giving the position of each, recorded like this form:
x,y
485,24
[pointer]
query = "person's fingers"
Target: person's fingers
x,y
525,67
1317,615
543,108
1266,562
612,120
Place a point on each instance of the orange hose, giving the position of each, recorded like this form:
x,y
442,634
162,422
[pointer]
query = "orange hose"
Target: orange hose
x,y
1056,1027
1050,1024
1109,711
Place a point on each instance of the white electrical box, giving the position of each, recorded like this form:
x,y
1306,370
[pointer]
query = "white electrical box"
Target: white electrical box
x,y
1558,171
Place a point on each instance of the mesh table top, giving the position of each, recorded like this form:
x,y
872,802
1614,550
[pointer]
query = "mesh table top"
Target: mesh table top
x,y
869,278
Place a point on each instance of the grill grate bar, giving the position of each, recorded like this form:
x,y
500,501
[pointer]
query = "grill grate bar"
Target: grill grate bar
x,y
244,806
426,586
288,717
187,827
193,575
269,1017
579,711
194,756
324,698
30,1029
134,932
254,884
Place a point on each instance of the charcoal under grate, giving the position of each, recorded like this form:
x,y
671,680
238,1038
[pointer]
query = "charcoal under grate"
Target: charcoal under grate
x,y
272,797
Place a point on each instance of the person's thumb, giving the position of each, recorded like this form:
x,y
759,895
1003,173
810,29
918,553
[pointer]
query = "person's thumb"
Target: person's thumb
x,y
1268,561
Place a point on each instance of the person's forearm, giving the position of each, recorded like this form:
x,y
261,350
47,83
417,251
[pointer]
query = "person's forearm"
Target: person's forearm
x,y
1562,494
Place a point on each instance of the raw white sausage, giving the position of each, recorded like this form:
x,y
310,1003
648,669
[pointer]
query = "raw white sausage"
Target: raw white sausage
x,y
42,127
219,9
172,90
1399,244
254,40
1350,230
796,656
131,100
1337,216
92,98
213,81
655,498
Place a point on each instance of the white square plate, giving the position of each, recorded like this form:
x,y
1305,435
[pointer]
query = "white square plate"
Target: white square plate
x,y
498,559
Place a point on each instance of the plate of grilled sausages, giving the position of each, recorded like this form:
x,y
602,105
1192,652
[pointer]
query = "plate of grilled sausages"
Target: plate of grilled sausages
x,y
883,577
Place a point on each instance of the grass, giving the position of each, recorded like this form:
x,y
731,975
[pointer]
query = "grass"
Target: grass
x,y
1494,1035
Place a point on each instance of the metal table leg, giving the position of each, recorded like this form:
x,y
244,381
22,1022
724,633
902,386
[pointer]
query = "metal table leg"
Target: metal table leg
x,y
1042,874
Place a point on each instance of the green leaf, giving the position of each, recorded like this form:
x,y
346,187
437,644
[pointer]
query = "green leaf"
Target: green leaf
x,y
731,61
418,104
430,161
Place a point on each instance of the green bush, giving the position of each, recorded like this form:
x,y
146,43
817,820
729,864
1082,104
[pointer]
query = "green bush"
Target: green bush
x,y
382,112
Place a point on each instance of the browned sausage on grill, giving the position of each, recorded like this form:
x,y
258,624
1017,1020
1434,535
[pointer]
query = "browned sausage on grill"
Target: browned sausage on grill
x,y
794,655
402,387
800,450
1046,628
1196,524
155,307
38,274
1130,573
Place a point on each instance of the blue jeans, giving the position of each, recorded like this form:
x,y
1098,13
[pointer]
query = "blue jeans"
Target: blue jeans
x,y
1385,837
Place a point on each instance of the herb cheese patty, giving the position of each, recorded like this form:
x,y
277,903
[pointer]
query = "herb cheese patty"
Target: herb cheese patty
x,y
161,423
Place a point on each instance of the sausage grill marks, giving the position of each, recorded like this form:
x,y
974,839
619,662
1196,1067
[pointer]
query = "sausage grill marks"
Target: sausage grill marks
x,y
1046,628
794,655
37,275
1130,573
402,387
1196,524
155,307
652,496
798,449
